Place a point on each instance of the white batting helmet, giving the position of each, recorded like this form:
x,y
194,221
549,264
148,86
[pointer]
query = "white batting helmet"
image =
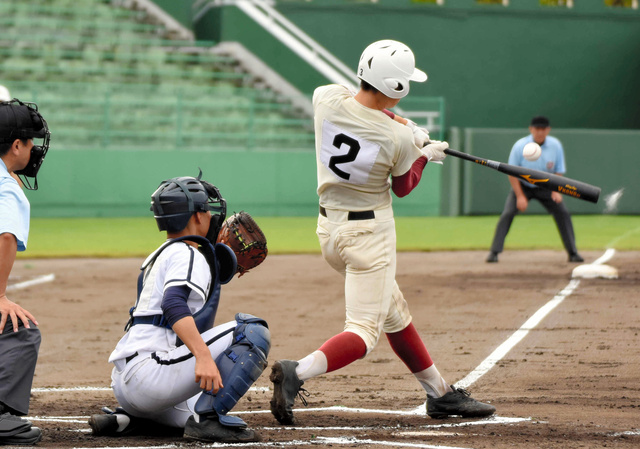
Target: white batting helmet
x,y
4,94
388,66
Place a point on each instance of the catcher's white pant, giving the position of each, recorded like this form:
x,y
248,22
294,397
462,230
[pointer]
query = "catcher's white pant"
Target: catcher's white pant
x,y
163,388
364,251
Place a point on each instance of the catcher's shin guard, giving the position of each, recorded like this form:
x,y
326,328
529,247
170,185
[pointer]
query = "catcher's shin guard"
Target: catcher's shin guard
x,y
240,365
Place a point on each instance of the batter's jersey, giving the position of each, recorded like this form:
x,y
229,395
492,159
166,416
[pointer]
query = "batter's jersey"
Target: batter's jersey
x,y
551,160
179,264
357,148
14,208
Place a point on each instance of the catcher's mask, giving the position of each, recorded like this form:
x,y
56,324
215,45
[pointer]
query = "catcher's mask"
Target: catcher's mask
x,y
177,199
20,120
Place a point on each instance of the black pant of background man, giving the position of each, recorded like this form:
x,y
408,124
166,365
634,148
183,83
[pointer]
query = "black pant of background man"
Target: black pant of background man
x,y
560,214
18,357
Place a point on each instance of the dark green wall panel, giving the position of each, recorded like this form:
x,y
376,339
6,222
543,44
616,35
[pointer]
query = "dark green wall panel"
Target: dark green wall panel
x,y
607,159
495,66
120,183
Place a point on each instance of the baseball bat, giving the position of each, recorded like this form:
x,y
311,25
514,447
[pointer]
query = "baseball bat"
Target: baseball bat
x,y
548,181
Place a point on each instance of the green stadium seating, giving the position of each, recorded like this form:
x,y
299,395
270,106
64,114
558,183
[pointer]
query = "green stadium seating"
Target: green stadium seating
x,y
107,78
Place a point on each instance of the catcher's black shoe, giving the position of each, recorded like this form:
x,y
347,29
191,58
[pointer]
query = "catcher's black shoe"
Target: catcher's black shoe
x,y
104,425
211,430
286,386
492,257
107,423
457,402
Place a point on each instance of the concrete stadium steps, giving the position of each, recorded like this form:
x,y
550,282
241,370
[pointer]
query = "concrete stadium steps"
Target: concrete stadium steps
x,y
165,117
108,76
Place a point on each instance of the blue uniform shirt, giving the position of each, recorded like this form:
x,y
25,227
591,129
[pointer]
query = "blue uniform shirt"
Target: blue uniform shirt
x,y
14,208
551,160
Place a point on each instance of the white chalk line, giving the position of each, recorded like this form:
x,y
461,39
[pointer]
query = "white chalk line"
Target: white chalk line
x,y
354,440
628,433
63,389
606,257
481,422
622,237
502,350
35,281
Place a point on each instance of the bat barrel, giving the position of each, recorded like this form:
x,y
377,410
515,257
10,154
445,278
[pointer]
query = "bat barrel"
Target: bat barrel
x,y
548,181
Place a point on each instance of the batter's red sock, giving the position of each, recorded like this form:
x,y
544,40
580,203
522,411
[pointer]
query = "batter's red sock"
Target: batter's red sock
x,y
343,349
408,345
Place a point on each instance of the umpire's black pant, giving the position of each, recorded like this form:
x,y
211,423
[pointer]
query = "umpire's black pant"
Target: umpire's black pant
x,y
558,210
18,357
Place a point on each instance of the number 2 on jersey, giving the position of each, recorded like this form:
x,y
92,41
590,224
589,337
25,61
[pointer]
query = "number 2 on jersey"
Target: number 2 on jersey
x,y
354,149
349,157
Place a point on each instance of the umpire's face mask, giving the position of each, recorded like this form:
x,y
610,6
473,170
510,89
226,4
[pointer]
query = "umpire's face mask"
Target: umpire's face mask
x,y
36,128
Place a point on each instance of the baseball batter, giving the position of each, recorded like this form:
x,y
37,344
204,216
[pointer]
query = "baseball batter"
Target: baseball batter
x,y
173,368
358,147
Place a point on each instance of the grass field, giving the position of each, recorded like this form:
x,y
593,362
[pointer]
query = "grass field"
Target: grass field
x,y
137,237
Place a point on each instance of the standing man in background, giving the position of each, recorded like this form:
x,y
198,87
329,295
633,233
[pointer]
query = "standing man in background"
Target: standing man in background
x,y
358,147
551,161
19,334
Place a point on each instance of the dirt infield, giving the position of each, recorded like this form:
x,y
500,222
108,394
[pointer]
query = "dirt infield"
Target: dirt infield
x,y
573,381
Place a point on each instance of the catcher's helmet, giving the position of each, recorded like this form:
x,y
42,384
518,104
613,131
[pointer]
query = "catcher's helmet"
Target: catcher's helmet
x,y
20,120
177,199
389,66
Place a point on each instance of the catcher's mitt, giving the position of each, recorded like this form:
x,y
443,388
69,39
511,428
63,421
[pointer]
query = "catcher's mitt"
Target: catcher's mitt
x,y
243,235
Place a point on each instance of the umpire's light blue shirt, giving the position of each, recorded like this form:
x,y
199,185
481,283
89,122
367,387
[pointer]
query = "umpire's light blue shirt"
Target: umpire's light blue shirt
x,y
551,160
14,208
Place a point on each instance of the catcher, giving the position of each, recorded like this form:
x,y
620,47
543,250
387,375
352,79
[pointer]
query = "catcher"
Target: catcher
x,y
173,370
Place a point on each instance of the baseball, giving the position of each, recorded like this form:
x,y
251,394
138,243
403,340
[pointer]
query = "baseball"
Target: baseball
x,y
531,151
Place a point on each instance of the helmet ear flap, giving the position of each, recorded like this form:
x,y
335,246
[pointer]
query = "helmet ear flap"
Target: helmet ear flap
x,y
397,86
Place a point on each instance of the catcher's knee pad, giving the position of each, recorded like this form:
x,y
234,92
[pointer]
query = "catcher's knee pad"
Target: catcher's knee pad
x,y
240,365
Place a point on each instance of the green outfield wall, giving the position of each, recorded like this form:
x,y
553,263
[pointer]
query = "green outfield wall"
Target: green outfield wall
x,y
495,66
77,183
605,158
96,183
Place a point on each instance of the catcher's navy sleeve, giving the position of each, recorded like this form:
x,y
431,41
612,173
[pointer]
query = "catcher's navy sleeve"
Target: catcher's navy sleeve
x,y
174,303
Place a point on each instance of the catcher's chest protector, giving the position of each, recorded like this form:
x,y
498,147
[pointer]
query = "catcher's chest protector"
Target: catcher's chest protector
x,y
205,317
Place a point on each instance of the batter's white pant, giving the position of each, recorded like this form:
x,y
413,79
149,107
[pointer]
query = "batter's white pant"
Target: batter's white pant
x,y
364,252
163,388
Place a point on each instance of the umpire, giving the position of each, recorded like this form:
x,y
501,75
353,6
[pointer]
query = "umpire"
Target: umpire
x,y
551,161
20,123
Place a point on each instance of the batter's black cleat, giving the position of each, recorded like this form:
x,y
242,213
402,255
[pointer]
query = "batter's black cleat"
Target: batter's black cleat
x,y
492,257
459,403
575,258
286,386
211,430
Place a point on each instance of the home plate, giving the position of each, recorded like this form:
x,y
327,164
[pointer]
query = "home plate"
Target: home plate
x,y
592,271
